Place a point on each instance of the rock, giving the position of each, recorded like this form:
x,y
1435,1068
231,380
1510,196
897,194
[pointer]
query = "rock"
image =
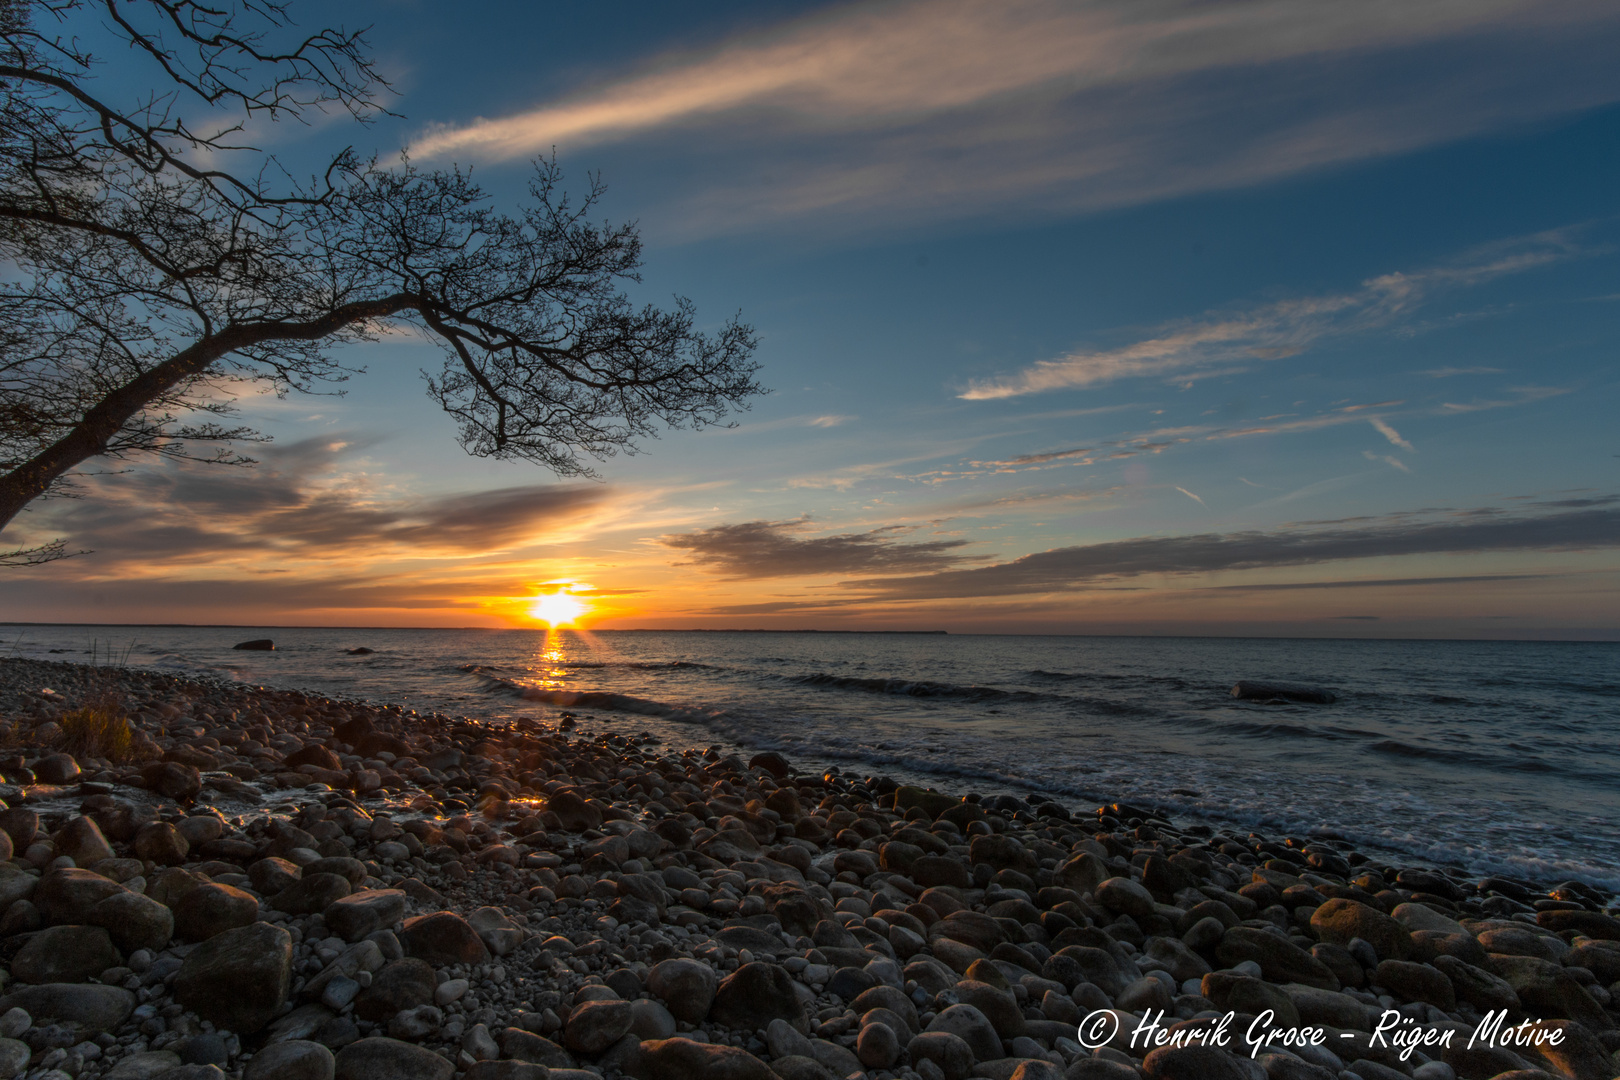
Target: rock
x,y
933,870
271,875
1547,992
1280,960
402,984
1578,1053
687,1059
100,1008
15,884
442,939
998,1006
1240,993
527,1046
355,916
771,762
64,954
256,645
390,1059
878,1046
576,814
238,978
1416,982
650,1020
161,843
972,1027
212,909
892,998
1193,1063
1083,873
1481,989
597,1025
686,986
67,895
144,1066
56,769
1341,919
1417,917
205,1049
417,1023
81,840
172,780
499,934
1593,924
503,1070
168,886
1125,896
754,995
312,893
948,1052
800,1067
14,1056
295,1059
1249,690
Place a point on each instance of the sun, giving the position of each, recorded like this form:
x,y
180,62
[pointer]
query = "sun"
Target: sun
x,y
557,609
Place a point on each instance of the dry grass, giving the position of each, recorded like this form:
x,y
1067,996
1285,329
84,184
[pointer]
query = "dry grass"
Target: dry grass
x,y
99,729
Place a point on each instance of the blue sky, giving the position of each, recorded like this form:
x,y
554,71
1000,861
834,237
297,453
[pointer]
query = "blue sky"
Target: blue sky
x,y
1247,317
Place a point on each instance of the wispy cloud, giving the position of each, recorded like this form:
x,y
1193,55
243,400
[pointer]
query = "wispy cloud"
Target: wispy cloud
x,y
1383,428
952,106
1453,372
1193,497
305,500
1228,343
768,549
1070,568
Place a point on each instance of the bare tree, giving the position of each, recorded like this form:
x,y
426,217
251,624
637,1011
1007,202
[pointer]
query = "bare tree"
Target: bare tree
x,y
141,283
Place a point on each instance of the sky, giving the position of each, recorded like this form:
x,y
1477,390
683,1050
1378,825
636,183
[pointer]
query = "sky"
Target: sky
x,y
1260,317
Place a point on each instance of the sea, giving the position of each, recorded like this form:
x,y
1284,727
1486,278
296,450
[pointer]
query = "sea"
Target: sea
x,y
1496,757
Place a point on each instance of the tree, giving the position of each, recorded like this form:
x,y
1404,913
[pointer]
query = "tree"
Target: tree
x,y
146,283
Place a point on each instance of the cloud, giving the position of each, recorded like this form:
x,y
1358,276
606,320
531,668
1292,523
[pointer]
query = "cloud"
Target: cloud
x,y
830,421
765,549
1061,569
954,106
1452,372
299,502
1193,497
1388,432
1274,331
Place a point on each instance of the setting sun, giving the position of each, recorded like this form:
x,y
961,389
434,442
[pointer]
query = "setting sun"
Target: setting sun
x,y
557,609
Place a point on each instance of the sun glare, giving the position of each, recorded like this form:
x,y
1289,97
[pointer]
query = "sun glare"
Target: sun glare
x,y
557,609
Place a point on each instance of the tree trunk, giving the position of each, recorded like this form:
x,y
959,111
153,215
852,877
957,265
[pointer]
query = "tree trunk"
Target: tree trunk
x,y
90,436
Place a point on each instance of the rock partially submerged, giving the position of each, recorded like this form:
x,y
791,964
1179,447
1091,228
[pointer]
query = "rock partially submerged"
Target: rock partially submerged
x,y
256,645
1249,690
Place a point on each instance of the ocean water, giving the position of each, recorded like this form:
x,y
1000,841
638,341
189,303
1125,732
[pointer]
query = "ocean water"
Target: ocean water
x,y
1499,757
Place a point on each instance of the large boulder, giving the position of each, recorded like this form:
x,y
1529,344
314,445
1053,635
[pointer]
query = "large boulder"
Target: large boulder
x,y
757,993
212,909
67,895
81,840
390,1059
356,915
239,978
403,984
66,954
312,893
1280,960
576,813
443,939
294,1059
1341,919
135,921
596,1025
687,987
972,1027
688,1059
98,1008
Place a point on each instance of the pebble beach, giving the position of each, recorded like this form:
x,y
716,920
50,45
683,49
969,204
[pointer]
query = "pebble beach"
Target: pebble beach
x,y
267,884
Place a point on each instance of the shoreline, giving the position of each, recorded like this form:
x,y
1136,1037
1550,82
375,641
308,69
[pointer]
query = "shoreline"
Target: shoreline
x,y
426,887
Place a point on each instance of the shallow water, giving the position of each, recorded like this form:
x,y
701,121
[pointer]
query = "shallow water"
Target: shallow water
x,y
1500,757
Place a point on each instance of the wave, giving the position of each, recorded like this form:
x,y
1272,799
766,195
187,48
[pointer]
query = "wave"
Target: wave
x,y
920,688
